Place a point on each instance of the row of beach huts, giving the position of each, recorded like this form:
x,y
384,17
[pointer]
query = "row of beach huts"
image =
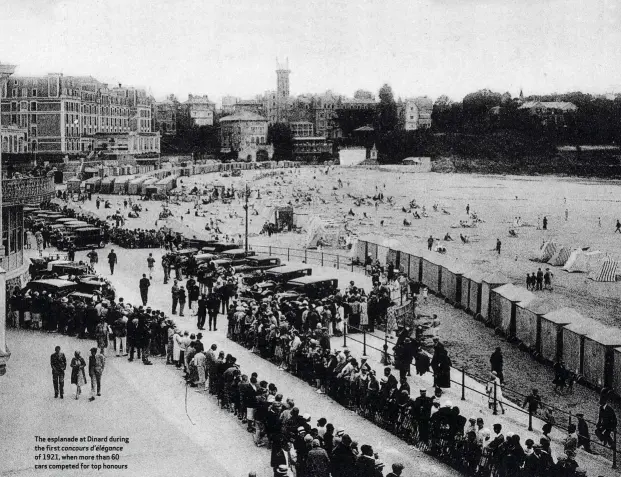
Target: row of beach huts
x,y
161,181
551,332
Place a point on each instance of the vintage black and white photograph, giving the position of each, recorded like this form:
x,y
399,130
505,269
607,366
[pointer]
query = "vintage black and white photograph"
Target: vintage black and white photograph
x,y
291,238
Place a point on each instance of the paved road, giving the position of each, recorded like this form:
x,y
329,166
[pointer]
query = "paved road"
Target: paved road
x,y
147,404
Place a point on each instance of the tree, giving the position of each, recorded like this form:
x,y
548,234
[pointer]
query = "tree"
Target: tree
x,y
280,136
387,117
476,108
349,119
386,125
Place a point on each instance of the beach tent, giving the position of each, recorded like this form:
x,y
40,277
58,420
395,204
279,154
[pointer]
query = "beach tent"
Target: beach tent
x,y
584,262
503,303
546,252
605,272
528,321
560,257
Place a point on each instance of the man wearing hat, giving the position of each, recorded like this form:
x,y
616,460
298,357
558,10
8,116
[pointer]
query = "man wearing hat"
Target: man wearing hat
x,y
422,410
343,458
144,285
584,438
59,365
96,364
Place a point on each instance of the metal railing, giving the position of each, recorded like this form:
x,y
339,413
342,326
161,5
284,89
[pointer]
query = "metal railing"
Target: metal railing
x,y
318,257
387,358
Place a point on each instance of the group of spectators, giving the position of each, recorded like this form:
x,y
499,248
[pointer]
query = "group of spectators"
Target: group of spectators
x,y
127,329
298,447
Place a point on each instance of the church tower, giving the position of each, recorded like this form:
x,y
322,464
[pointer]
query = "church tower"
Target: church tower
x,y
282,75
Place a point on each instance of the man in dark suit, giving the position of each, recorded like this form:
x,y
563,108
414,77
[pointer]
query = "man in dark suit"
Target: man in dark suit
x,y
59,364
144,285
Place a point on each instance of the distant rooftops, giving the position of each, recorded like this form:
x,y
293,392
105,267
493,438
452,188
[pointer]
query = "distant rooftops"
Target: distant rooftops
x,y
243,116
560,105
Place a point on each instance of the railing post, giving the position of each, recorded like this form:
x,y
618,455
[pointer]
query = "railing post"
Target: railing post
x,y
322,259
305,256
364,341
614,449
495,400
337,262
569,418
270,251
463,384
352,264
288,254
530,418
344,333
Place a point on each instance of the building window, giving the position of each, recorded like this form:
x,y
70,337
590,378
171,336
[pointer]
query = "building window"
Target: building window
x,y
33,106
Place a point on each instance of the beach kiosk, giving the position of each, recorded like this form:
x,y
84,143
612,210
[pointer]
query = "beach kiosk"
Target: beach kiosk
x,y
528,321
490,282
552,329
573,341
598,355
503,304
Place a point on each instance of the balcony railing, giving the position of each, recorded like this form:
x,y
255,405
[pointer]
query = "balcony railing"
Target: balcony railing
x,y
28,190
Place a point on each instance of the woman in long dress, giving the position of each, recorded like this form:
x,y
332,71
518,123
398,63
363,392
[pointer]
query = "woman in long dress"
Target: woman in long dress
x,y
78,375
489,388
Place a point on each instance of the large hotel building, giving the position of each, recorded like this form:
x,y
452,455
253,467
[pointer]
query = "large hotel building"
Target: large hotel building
x,y
63,114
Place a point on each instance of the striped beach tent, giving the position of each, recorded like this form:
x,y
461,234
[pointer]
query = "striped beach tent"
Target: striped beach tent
x,y
546,252
605,272
560,257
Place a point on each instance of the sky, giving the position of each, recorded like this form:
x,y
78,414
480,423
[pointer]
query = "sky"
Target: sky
x,y
419,47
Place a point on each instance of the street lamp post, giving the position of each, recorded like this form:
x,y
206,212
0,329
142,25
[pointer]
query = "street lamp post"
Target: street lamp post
x,y
5,354
246,194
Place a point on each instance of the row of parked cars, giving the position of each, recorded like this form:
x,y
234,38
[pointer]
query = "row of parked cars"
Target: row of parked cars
x,y
64,230
60,277
263,275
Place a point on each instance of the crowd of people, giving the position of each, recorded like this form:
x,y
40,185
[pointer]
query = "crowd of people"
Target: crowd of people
x,y
296,336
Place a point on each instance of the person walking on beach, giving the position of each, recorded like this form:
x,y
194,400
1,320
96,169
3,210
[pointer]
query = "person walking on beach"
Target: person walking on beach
x,y
566,214
545,224
498,245
618,229
112,261
547,280
78,376
59,364
144,288
468,209
539,280
96,364
430,242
